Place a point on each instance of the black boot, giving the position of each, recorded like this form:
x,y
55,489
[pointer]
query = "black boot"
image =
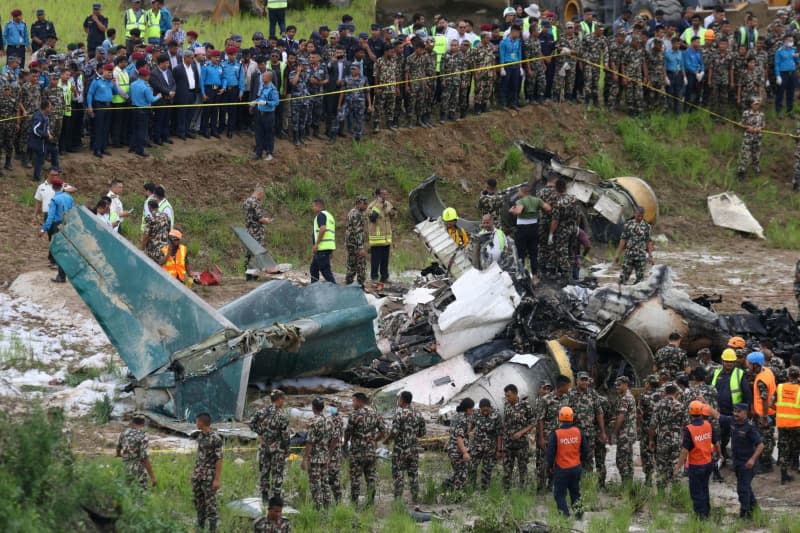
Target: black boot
x,y
212,526
8,166
426,119
26,160
315,133
441,117
785,476
478,109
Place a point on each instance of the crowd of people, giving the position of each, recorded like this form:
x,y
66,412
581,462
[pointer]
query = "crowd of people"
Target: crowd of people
x,y
145,81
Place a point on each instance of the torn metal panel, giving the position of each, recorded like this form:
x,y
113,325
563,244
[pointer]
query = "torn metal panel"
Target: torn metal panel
x,y
728,211
632,347
484,304
261,257
434,235
432,386
424,203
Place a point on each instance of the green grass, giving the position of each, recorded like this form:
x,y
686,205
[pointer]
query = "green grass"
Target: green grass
x,y
73,379
101,410
602,163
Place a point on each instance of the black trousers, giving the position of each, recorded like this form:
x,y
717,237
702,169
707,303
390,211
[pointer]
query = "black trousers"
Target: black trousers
x,y
120,124
526,238
698,489
744,488
379,262
65,141
265,132
184,114
230,121
209,123
563,481
77,126
161,125
17,50
141,117
52,231
102,125
321,264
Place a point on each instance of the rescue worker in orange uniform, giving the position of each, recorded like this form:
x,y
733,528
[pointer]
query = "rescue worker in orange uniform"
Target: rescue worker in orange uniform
x,y
787,418
567,449
174,257
763,408
700,441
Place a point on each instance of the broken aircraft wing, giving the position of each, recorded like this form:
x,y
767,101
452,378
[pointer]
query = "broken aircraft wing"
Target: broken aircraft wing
x,y
262,258
729,211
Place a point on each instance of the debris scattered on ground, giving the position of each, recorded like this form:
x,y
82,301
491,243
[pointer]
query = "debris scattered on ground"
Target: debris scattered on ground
x,y
729,211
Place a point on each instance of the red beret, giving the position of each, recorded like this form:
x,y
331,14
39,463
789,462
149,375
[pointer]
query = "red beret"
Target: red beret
x,y
191,33
109,67
549,14
149,48
486,27
231,50
16,13
137,56
56,182
33,63
214,53
144,71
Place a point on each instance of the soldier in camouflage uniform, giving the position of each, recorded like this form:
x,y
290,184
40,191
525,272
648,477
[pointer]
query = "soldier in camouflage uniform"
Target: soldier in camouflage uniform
x,y
466,80
616,51
317,80
207,473
671,357
29,101
354,239
483,56
563,232
656,76
486,446
750,83
272,427
625,428
491,201
796,282
634,68
364,429
547,421
519,419
418,66
337,453
600,443
254,220
457,447
548,195
408,427
273,522
452,62
55,95
132,447
776,364
317,455
589,416
761,401
535,71
750,153
156,232
705,362
298,89
594,48
638,246
387,71
665,431
354,104
788,437
8,128
568,46
646,408
721,77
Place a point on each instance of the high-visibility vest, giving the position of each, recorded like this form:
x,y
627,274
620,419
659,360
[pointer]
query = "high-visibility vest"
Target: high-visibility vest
x,y
787,408
554,29
568,447
526,25
377,235
587,28
113,216
277,4
283,77
175,265
440,46
329,239
162,206
408,30
768,378
153,21
735,383
501,237
133,23
67,91
743,35
688,34
702,436
124,82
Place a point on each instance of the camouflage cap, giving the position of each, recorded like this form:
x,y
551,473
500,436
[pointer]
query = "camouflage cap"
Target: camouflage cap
x,y
361,198
793,372
652,378
622,380
276,394
583,375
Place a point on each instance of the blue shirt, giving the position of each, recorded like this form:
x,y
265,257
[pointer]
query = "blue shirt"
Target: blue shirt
x,y
212,75
693,61
744,439
269,96
101,90
16,34
233,74
60,204
142,94
510,50
166,20
673,60
785,60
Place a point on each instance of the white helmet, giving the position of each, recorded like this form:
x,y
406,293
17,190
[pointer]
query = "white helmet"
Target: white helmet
x,y
509,11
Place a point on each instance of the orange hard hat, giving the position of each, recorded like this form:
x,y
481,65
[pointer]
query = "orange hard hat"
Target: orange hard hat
x,y
710,35
565,414
696,407
737,343
706,410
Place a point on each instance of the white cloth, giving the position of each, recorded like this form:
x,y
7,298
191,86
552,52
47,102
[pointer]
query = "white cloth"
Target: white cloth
x,y
190,76
44,193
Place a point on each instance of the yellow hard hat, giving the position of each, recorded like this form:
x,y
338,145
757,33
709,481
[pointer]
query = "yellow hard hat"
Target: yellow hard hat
x,y
565,414
729,355
449,214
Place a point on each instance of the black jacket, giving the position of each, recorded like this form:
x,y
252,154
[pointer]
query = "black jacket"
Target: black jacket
x,y
161,86
182,92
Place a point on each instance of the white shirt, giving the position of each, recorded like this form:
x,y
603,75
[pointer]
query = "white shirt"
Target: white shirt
x,y
469,37
116,206
189,76
708,21
166,77
493,251
44,193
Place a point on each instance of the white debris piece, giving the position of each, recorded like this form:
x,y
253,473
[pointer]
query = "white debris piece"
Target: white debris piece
x,y
484,305
417,296
311,383
729,211
432,386
80,400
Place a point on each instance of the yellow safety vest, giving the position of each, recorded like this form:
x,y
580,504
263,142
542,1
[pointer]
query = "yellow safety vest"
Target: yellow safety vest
x,y
743,36
688,34
132,23
67,91
787,412
440,46
175,266
113,216
153,21
277,4
554,28
526,24
586,29
500,234
329,239
283,77
124,82
735,383
162,207
377,234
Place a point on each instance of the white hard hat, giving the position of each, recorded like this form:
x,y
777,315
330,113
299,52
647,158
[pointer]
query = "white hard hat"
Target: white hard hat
x,y
509,11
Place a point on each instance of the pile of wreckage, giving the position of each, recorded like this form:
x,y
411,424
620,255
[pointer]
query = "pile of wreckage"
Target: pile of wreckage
x,y
467,330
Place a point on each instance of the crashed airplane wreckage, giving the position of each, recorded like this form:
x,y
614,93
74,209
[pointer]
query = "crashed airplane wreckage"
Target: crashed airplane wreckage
x,y
184,356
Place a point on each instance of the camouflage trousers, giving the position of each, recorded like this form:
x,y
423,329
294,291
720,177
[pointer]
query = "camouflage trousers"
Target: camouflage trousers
x,y
648,457
667,453
719,97
536,82
634,95
484,82
591,79
21,141
563,86
450,95
750,153
654,99
7,137
335,475
205,502
632,264
356,267
587,465
408,463
483,460
614,91
788,446
355,109
314,114
463,92
768,439
258,234
625,457
543,474
795,175
515,457
458,478
562,244
386,107
600,461
299,114
546,251
272,468
362,466
55,127
135,473
318,484
418,100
